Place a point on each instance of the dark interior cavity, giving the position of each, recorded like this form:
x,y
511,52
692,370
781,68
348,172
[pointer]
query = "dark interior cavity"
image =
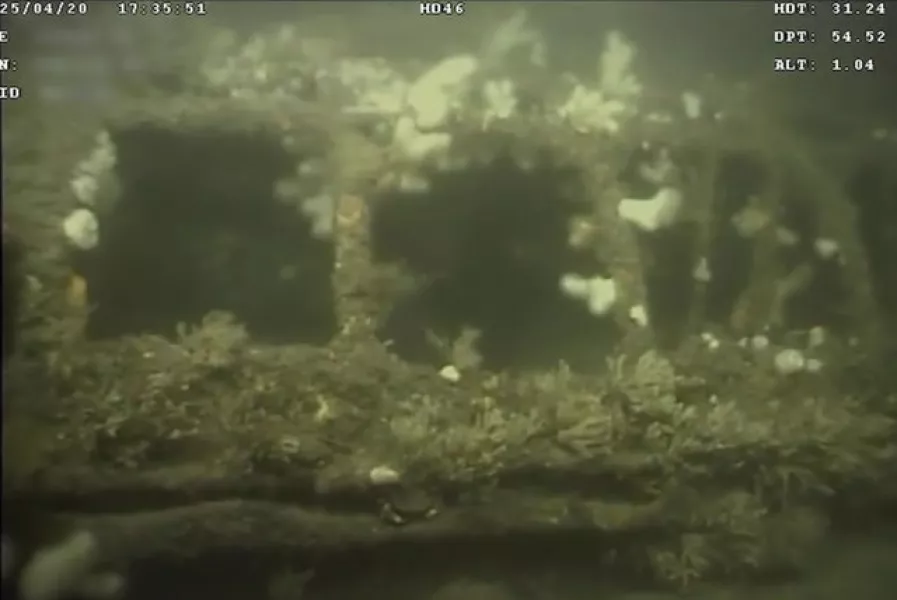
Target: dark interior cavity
x,y
739,176
823,299
669,282
873,189
490,243
13,286
196,228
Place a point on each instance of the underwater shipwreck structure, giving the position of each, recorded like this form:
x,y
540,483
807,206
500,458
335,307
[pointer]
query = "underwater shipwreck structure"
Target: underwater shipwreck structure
x,y
255,319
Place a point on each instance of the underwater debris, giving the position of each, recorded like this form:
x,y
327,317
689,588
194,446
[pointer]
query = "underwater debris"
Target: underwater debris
x,y
499,431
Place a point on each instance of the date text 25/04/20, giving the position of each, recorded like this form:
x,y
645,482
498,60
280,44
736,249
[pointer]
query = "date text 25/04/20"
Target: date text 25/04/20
x,y
441,8
49,8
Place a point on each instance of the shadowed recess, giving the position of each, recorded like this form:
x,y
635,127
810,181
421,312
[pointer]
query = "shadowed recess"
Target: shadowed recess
x,y
490,241
196,228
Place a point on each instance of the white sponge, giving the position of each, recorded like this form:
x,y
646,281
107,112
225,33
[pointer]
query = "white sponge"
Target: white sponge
x,y
789,361
598,293
417,146
639,315
654,213
432,95
826,248
82,229
615,67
